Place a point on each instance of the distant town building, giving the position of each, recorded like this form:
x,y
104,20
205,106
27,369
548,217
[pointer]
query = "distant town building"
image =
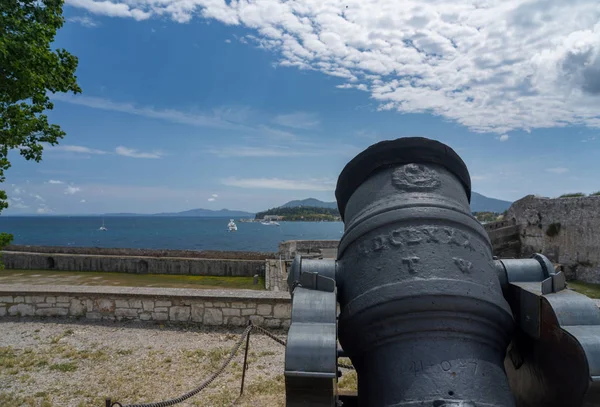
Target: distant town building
x,y
273,217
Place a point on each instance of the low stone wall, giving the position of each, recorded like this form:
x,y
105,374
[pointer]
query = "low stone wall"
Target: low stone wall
x,y
207,307
105,251
505,238
289,248
276,275
132,264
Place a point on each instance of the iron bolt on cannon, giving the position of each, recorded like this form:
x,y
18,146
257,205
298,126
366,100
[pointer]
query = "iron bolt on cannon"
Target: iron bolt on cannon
x,y
428,316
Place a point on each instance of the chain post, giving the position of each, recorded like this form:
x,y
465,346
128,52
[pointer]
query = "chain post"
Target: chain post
x,y
245,366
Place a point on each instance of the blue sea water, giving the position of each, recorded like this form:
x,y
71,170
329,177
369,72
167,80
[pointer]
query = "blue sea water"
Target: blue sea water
x,y
154,232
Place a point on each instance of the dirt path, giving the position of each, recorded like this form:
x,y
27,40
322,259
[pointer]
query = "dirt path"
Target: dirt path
x,y
47,364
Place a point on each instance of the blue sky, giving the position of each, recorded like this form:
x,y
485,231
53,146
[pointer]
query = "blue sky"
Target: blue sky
x,y
206,104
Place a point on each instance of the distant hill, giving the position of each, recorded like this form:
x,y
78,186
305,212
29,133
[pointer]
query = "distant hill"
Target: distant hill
x,y
479,203
195,213
311,203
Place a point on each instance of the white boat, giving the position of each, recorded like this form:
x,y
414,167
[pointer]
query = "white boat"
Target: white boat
x,y
269,223
231,226
103,227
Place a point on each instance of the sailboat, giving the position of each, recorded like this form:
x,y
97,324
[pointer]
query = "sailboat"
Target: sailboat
x,y
103,227
232,226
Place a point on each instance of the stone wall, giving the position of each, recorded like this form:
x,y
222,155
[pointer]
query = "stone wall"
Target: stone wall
x,y
109,251
505,238
318,248
276,275
160,305
566,230
132,264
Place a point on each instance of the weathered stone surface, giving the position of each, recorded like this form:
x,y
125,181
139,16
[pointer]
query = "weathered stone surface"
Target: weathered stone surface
x,y
122,303
180,314
163,303
24,310
105,305
93,315
148,305
250,305
228,312
51,300
62,298
135,303
246,312
20,299
161,309
264,309
126,312
256,319
286,323
76,307
2,311
8,299
34,299
213,316
272,323
219,304
145,316
236,321
46,305
282,310
51,312
238,305
160,316
62,304
197,312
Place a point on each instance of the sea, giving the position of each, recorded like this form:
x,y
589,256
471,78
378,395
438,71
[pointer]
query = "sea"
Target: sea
x,y
153,232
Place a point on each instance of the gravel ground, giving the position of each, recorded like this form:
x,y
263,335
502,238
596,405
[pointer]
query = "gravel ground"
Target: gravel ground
x,y
73,364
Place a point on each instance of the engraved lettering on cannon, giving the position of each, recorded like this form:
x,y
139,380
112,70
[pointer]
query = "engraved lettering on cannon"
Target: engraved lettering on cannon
x,y
410,262
463,265
415,177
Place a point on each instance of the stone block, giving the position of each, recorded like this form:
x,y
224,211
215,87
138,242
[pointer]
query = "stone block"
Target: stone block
x,y
219,304
52,312
63,299
228,312
62,304
33,299
2,311
105,305
93,315
163,303
236,321
282,310
272,323
286,323
89,304
197,312
246,312
238,305
145,316
180,314
8,299
208,304
148,305
76,307
160,316
251,305
161,309
24,310
213,316
51,300
264,309
19,299
46,305
257,320
135,303
126,312
121,303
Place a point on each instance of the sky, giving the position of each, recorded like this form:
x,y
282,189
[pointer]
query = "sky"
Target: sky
x,y
249,104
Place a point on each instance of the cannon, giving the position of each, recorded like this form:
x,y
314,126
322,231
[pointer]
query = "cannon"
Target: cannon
x,y
421,307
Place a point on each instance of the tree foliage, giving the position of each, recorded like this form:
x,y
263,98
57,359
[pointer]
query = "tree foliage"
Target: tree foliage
x,y
302,213
29,70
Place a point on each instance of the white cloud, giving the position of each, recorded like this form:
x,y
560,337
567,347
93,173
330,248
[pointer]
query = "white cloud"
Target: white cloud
x,y
215,195
16,203
17,190
215,119
297,120
211,199
84,21
283,184
37,197
71,190
82,201
491,65
558,170
228,41
504,137
587,140
76,149
54,181
129,152
43,210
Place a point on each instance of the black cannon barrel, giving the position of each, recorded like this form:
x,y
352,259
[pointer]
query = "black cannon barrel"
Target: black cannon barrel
x,y
423,318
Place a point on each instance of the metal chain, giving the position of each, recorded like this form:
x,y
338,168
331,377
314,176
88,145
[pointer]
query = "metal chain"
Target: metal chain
x,y
345,366
203,385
